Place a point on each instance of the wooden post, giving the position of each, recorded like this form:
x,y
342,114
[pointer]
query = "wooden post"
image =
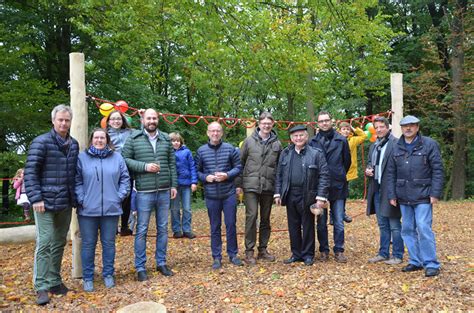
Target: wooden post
x,y
396,87
79,130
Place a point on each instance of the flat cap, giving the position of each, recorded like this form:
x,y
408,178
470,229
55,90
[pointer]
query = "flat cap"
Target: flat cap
x,y
297,128
409,119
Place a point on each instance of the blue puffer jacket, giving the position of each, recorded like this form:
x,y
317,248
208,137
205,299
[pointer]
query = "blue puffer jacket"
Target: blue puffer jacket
x,y
413,178
218,158
101,184
50,171
185,167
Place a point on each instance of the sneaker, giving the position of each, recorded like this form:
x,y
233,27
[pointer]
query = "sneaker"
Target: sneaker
x,y
347,218
216,264
309,261
324,256
189,235
109,281
177,235
88,285
393,261
236,261
141,276
60,289
264,255
340,257
42,297
377,258
27,218
249,258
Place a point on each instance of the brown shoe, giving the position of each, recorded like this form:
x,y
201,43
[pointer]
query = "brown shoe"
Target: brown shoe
x,y
340,257
249,258
324,256
264,255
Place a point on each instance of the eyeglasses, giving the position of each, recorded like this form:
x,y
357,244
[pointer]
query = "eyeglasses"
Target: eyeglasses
x,y
324,121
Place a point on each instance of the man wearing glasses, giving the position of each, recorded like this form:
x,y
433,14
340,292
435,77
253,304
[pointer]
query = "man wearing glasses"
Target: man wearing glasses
x,y
336,149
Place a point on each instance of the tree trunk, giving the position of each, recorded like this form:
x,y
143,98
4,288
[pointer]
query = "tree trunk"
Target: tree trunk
x,y
291,106
459,106
5,189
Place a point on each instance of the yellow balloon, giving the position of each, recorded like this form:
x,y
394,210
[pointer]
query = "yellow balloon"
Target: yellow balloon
x,y
105,109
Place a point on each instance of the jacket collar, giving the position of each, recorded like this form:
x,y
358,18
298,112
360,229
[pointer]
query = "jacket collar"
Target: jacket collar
x,y
214,146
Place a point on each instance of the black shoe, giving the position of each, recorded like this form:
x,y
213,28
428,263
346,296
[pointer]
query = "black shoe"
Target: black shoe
x,y
292,260
411,268
178,235
125,232
309,261
430,272
347,218
141,276
60,289
42,297
165,270
189,235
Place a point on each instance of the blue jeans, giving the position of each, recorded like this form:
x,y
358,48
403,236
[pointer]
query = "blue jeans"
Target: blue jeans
x,y
89,227
418,234
389,228
214,210
337,211
147,202
182,199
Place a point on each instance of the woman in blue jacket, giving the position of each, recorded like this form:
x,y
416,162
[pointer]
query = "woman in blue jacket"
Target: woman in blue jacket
x,y
102,183
187,183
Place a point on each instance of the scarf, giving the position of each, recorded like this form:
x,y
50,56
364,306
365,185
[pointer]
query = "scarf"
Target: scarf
x,y
326,137
379,144
99,153
63,143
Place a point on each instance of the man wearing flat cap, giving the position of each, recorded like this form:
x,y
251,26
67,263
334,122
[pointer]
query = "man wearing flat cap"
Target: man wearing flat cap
x,y
338,156
302,180
415,181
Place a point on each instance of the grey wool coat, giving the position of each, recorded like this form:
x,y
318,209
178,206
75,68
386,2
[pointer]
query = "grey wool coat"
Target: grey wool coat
x,y
386,209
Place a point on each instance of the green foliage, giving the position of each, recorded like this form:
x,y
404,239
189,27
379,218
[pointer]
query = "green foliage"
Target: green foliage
x,y
10,162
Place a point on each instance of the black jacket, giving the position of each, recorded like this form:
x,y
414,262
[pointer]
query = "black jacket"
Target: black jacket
x,y
338,157
414,178
50,171
316,174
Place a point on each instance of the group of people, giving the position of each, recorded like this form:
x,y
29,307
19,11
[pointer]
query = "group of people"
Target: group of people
x,y
144,171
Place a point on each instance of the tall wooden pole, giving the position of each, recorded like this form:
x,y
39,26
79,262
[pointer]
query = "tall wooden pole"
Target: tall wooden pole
x,y
79,130
396,87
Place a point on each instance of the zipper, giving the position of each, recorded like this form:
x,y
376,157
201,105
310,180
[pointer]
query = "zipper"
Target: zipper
x,y
102,187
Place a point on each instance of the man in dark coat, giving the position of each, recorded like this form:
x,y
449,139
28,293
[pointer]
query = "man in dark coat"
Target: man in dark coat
x,y
259,157
217,165
388,216
336,150
415,181
49,182
302,180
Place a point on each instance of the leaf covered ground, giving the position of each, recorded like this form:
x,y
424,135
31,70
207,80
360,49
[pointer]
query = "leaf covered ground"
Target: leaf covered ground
x,y
327,286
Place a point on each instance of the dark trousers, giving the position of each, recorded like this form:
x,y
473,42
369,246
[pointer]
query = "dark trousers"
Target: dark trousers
x,y
253,201
300,226
215,208
126,213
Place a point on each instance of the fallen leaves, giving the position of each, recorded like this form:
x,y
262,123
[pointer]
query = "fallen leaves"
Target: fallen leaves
x,y
328,286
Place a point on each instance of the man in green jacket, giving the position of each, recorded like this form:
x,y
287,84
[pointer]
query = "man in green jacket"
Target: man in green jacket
x,y
259,156
150,158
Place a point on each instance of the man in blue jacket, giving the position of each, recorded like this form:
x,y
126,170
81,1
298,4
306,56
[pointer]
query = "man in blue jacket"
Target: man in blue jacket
x,y
49,181
338,156
218,164
415,181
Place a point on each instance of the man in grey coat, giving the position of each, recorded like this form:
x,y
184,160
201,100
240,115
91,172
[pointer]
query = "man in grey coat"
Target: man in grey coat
x,y
259,158
388,216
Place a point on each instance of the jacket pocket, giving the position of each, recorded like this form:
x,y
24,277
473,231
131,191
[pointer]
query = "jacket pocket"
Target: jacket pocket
x,y
421,187
400,189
